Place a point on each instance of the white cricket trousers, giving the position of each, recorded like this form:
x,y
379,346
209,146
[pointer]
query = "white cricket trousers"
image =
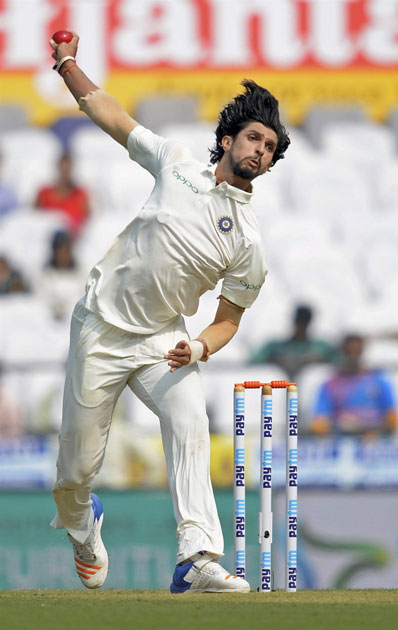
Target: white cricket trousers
x,y
102,360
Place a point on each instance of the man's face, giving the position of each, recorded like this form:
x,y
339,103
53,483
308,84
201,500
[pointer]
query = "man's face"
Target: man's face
x,y
251,151
65,169
351,356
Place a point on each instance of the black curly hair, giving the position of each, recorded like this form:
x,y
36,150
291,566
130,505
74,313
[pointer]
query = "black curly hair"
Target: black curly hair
x,y
255,104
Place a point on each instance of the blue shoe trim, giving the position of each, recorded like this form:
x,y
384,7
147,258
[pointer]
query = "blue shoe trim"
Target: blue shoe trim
x,y
179,585
97,506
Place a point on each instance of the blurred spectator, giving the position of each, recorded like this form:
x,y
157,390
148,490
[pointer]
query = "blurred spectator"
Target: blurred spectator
x,y
354,400
11,280
66,196
61,282
8,197
298,350
11,425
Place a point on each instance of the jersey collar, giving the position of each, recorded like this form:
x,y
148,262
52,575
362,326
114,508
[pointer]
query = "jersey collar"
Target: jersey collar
x,y
226,189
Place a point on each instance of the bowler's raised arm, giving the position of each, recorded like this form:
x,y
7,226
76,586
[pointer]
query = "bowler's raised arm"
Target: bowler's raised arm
x,y
103,109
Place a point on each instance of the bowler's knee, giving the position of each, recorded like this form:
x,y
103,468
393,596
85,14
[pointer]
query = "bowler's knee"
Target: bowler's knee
x,y
75,477
192,425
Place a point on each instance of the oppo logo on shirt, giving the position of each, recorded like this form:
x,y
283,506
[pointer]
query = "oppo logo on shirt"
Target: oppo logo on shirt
x,y
185,181
253,287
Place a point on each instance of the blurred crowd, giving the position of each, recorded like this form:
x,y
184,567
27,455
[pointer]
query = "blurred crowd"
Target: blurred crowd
x,y
59,282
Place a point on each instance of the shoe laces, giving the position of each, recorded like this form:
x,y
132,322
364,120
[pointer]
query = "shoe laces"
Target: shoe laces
x,y
86,551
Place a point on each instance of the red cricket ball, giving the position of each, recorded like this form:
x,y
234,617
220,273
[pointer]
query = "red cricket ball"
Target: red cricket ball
x,y
62,37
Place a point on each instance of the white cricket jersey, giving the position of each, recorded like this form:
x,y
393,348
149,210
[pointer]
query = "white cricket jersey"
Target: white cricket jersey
x,y
189,234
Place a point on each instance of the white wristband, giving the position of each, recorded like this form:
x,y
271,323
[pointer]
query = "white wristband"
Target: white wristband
x,y
62,61
197,351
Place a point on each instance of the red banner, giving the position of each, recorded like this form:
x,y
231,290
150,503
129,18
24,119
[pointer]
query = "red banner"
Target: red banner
x,y
205,34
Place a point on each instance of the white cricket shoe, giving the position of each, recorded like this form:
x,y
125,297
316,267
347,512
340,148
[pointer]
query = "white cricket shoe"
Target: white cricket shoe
x,y
91,558
206,575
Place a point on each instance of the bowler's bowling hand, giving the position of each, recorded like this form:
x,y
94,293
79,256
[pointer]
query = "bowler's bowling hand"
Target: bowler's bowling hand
x,y
178,356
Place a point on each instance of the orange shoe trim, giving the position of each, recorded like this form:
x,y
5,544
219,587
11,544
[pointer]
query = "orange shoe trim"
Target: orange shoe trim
x,y
86,571
89,566
227,576
84,577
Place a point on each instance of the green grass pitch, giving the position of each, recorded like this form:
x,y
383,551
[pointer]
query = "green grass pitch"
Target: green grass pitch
x,y
141,610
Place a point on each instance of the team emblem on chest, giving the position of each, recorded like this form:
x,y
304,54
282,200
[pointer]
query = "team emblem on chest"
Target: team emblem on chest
x,y
225,224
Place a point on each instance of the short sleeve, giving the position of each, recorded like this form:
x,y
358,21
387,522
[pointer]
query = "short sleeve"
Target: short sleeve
x,y
245,276
386,396
153,152
323,404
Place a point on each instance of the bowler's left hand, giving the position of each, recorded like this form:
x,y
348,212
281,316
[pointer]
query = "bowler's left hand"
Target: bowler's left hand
x,y
178,356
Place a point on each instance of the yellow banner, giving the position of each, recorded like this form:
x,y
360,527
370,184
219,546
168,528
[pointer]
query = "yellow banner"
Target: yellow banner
x,y
375,91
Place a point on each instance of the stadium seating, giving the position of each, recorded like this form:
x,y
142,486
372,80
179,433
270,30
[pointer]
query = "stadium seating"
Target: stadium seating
x,y
156,111
25,237
13,117
393,124
28,334
319,118
33,352
30,158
